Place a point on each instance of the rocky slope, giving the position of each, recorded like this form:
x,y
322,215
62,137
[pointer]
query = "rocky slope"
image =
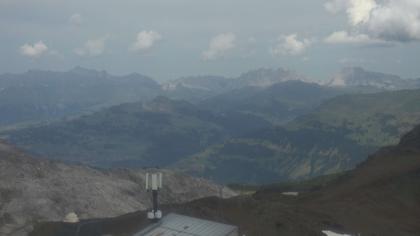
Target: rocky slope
x,y
33,190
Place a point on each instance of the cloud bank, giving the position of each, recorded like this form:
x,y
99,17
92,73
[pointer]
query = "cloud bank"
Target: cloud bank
x,y
33,50
146,40
377,21
219,45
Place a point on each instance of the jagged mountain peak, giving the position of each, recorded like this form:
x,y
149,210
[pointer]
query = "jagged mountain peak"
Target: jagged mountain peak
x,y
265,77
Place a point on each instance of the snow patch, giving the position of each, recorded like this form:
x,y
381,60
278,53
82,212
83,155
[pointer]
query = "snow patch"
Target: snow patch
x,y
295,194
330,233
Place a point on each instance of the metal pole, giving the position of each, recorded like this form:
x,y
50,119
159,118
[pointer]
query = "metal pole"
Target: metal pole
x,y
155,200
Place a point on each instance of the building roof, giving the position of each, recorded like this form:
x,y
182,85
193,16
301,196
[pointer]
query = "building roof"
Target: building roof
x,y
180,225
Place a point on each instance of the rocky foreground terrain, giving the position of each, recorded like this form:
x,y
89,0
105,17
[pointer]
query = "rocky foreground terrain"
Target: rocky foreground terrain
x,y
34,190
380,197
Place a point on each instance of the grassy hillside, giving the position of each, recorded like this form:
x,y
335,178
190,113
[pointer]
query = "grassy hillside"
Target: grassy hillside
x,y
157,133
369,119
276,155
335,137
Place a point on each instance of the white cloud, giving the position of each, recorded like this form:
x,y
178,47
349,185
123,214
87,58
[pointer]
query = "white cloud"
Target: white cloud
x,y
93,47
398,20
345,37
359,11
390,20
34,50
76,19
146,40
291,45
219,45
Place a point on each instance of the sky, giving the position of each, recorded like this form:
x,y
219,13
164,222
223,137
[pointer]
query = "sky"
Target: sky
x,y
168,39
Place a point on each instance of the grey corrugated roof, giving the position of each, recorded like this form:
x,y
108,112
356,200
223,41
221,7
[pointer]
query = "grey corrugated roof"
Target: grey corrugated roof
x,y
179,225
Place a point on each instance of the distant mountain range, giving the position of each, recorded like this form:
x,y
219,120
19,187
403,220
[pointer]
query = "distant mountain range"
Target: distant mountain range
x,y
33,190
199,88
263,77
356,77
379,197
45,95
278,103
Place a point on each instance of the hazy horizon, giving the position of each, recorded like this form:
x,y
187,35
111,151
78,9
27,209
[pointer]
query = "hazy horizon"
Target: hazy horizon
x,y
329,77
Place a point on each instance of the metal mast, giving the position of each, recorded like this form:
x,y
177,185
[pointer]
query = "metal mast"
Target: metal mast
x,y
154,184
